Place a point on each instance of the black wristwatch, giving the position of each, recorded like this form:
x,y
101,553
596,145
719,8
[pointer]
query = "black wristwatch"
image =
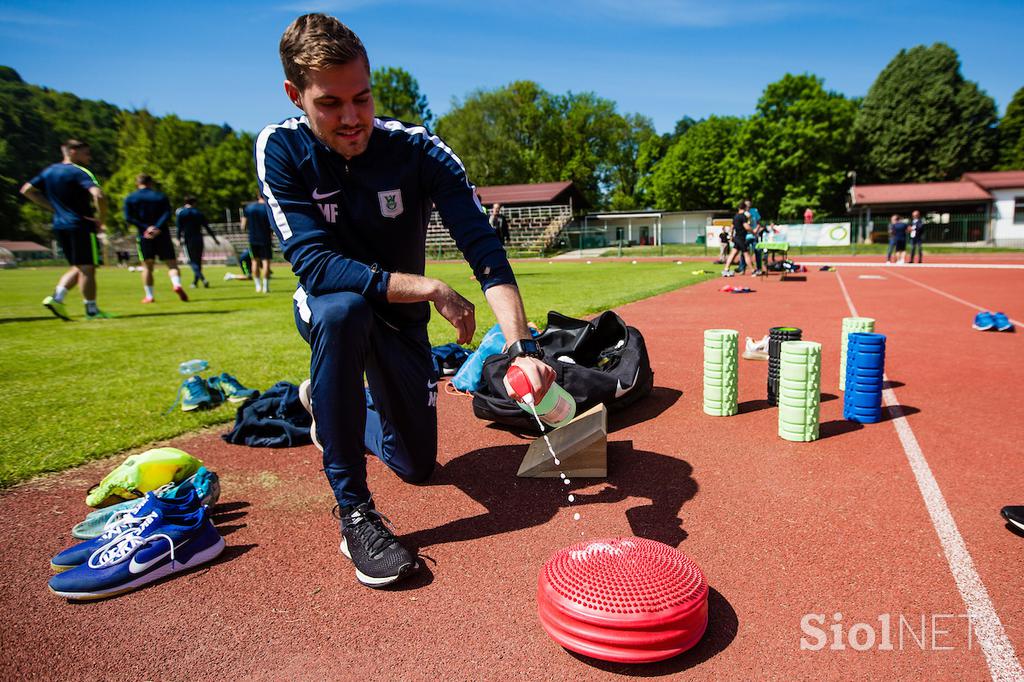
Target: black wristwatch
x,y
525,348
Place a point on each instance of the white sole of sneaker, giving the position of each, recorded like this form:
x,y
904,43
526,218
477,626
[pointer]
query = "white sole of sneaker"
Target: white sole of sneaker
x,y
306,398
377,582
208,554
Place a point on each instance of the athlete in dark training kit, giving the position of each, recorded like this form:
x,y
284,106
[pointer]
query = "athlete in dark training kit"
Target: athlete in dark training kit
x,y
191,223
349,197
256,222
71,193
150,211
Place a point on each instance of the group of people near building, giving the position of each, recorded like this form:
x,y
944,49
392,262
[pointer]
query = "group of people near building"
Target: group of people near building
x,y
900,233
739,241
71,192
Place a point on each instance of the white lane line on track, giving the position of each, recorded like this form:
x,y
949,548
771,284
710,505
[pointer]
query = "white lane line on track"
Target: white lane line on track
x,y
1002,660
915,266
951,297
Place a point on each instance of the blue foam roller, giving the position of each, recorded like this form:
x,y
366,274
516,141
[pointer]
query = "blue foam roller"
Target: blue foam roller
x,y
865,370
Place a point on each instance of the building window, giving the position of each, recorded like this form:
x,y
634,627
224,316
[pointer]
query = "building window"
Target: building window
x,y
1018,210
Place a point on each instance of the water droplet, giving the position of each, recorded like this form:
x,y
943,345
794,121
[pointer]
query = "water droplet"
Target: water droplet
x,y
572,498
557,462
561,474
576,516
567,481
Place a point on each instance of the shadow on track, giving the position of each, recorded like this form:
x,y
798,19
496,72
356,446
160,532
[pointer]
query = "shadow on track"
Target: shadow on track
x,y
488,476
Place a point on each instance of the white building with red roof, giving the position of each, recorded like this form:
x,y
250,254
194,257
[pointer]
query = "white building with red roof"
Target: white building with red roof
x,y
989,206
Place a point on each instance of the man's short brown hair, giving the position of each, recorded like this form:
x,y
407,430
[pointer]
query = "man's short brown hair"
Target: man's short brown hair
x,y
317,41
144,179
73,144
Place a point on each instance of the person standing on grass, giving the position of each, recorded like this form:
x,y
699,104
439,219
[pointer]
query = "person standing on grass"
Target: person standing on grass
x,y
261,247
739,252
350,196
499,223
897,240
70,191
191,223
916,234
150,212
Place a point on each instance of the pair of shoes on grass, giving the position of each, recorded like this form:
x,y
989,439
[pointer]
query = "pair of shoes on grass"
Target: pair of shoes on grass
x,y
987,321
157,538
199,393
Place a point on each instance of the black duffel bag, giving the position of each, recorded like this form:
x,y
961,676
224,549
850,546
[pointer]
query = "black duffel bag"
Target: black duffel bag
x,y
600,361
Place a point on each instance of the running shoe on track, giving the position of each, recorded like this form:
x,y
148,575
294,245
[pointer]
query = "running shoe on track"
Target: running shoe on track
x,y
123,520
984,321
756,350
158,546
1014,516
366,539
57,308
1002,322
205,484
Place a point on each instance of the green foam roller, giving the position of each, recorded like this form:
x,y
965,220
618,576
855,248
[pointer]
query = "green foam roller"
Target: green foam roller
x,y
721,370
851,325
799,390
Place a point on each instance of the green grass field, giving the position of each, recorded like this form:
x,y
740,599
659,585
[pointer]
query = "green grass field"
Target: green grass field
x,y
74,391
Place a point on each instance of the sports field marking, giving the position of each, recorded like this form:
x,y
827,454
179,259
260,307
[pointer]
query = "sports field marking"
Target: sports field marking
x,y
951,297
1000,656
915,266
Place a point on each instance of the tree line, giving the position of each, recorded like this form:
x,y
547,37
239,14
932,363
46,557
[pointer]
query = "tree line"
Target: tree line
x,y
920,121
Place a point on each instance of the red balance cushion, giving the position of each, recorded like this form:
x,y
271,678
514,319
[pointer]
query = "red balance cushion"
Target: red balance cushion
x,y
628,600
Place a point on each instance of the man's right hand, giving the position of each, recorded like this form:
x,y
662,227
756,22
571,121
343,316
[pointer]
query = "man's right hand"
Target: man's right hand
x,y
456,309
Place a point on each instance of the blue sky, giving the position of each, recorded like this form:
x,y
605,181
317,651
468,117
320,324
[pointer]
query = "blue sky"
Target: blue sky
x,y
217,61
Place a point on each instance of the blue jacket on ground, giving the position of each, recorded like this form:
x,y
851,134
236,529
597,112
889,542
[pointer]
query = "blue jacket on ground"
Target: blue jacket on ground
x,y
345,225
147,207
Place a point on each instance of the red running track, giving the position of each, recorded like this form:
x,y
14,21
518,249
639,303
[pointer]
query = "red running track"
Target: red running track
x,y
781,530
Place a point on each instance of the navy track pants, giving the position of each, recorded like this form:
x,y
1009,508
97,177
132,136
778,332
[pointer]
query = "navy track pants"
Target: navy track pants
x,y
395,419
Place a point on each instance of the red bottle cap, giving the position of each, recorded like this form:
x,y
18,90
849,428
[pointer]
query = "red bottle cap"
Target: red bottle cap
x,y
519,382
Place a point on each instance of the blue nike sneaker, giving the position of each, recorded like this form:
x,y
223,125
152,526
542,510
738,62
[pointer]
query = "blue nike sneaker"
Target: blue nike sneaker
x,y
124,520
204,482
1002,322
157,547
984,321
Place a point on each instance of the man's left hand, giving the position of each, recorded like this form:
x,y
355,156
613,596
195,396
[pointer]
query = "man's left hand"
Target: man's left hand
x,y
541,377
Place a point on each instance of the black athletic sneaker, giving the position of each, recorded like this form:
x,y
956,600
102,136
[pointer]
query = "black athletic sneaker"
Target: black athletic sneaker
x,y
1014,516
366,539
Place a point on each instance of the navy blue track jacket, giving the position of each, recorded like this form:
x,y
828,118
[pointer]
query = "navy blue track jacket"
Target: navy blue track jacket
x,y
345,225
147,207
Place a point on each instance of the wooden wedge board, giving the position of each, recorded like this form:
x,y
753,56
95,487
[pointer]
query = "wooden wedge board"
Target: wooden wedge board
x,y
581,446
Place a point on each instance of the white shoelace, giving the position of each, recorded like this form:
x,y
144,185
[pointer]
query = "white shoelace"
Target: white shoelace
x,y
125,544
